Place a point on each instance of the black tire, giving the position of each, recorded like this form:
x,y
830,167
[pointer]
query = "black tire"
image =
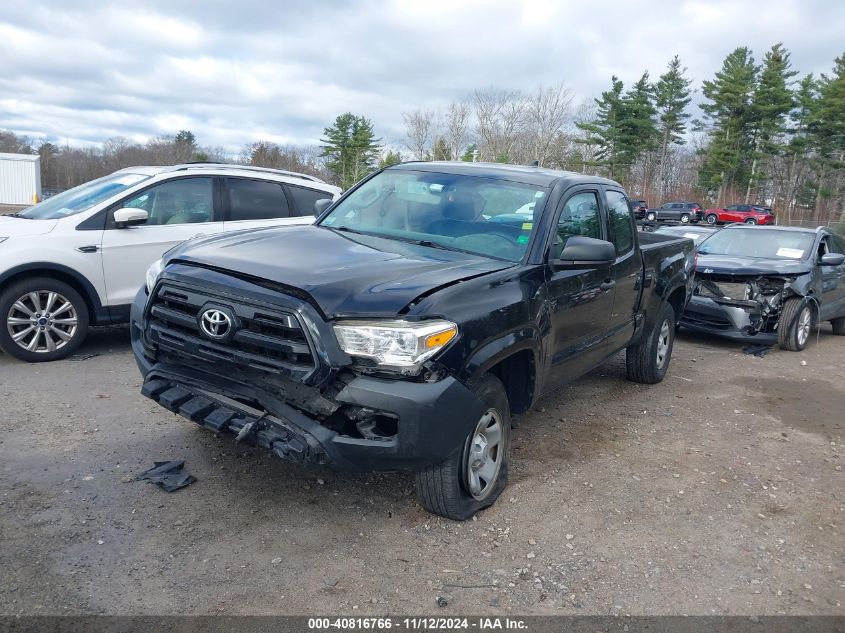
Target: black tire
x,y
793,334
651,216
712,219
444,489
685,218
55,329
751,221
838,326
642,362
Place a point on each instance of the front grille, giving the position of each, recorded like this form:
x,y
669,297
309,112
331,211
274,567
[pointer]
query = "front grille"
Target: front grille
x,y
264,339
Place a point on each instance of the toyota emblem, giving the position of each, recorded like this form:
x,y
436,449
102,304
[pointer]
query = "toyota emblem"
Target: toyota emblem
x,y
215,323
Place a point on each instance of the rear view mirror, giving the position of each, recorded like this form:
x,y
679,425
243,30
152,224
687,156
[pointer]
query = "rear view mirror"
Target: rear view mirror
x,y
832,259
130,217
321,205
585,252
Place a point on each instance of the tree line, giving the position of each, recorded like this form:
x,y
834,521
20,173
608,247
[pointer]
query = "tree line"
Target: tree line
x,y
763,134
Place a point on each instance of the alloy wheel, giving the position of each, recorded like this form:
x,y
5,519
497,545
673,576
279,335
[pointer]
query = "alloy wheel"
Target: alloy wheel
x,y
805,323
42,321
663,344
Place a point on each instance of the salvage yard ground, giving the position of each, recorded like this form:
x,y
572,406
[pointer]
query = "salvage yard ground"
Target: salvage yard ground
x,y
719,491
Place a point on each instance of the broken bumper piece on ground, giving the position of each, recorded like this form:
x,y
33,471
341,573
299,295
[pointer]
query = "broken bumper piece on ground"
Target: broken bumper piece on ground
x,y
168,475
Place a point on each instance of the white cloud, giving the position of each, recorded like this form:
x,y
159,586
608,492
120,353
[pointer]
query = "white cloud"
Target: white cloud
x,y
238,73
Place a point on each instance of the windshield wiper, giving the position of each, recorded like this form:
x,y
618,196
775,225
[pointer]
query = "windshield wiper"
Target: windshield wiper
x,y
18,215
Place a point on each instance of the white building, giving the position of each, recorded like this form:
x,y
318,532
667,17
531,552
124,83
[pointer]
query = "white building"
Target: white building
x,y
20,178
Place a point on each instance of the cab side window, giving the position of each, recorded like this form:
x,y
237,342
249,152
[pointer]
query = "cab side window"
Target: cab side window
x,y
579,217
620,221
180,201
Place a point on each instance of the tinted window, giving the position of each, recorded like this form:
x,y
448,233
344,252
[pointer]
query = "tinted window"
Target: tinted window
x,y
256,200
619,218
180,201
580,216
304,199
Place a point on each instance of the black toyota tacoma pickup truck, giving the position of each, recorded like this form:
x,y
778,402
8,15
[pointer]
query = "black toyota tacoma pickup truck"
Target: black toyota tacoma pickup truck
x,y
405,327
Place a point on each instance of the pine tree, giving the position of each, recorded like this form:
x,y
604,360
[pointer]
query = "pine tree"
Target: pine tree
x,y
672,96
390,158
728,110
772,101
800,145
604,130
828,125
351,148
638,134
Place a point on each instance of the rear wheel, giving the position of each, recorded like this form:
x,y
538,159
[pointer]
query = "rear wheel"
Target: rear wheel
x,y
648,361
796,322
711,218
685,218
473,477
44,320
651,216
838,326
751,221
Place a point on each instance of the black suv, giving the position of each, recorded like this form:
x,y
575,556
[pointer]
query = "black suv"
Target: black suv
x,y
405,327
680,211
640,208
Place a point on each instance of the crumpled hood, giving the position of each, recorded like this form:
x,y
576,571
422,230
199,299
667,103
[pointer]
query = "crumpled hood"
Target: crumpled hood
x,y
346,274
21,227
749,266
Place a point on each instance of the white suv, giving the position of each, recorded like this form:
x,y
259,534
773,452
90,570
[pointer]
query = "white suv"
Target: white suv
x,y
78,258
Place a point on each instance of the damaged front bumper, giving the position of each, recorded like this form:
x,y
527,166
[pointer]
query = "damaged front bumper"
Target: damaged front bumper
x,y
737,307
377,423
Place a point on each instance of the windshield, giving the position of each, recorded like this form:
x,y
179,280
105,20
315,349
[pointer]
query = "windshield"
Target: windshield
x,y
81,198
484,216
759,243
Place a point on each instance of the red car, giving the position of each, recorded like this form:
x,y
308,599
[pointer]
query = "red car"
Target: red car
x,y
747,213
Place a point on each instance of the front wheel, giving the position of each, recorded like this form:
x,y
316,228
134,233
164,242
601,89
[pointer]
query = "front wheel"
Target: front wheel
x,y
711,219
647,361
44,320
651,216
796,322
474,475
685,218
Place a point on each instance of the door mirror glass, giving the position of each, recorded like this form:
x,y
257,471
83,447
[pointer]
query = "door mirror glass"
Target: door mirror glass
x,y
130,217
832,259
321,205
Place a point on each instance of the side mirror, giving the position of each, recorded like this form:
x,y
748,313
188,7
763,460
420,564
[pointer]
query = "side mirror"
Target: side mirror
x,y
130,217
832,259
321,205
585,252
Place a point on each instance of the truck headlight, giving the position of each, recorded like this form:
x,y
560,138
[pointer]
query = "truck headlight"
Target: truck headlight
x,y
395,344
152,274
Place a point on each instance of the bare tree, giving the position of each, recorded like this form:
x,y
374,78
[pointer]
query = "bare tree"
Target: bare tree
x,y
547,112
457,127
500,115
419,130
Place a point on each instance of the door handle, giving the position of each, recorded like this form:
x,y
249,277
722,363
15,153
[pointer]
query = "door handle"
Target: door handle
x,y
199,235
93,248
607,284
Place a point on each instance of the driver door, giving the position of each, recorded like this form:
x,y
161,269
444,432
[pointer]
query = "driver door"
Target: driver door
x,y
178,209
580,301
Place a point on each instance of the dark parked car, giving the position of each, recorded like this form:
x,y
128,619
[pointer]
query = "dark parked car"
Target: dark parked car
x,y
745,213
768,284
680,211
640,208
696,233
405,327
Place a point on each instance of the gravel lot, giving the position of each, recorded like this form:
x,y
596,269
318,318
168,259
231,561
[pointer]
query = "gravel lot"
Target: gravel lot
x,y
719,491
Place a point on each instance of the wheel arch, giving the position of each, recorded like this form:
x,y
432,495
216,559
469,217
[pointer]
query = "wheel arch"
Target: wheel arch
x,y
98,313
513,359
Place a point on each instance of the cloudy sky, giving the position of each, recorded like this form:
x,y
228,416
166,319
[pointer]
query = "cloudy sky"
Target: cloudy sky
x,y
235,72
